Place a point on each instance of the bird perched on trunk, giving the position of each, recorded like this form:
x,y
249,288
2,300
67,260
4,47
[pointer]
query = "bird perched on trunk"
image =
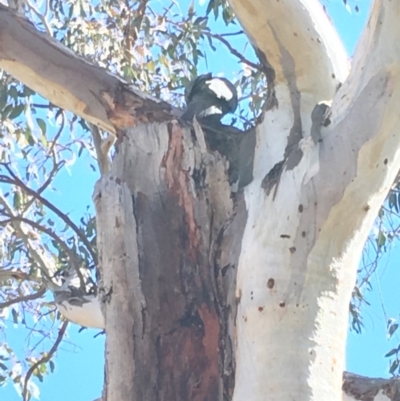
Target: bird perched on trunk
x,y
209,98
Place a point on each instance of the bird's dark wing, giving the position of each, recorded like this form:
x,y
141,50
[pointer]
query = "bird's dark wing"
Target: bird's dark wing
x,y
237,146
204,107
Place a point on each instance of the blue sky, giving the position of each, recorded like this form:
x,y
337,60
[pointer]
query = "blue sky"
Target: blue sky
x,y
79,369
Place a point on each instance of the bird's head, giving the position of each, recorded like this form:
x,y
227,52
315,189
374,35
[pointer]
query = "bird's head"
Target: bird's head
x,y
214,91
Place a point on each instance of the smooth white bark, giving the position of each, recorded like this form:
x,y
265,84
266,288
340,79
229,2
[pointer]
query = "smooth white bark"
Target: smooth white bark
x,y
299,42
303,239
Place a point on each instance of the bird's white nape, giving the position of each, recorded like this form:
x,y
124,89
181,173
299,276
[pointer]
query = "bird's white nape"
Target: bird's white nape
x,y
220,88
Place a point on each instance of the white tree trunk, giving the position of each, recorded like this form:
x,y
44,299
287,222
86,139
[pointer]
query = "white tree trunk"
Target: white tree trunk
x,y
306,229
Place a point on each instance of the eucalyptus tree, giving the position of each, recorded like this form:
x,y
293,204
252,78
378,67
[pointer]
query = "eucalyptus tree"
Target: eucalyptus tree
x,y
206,290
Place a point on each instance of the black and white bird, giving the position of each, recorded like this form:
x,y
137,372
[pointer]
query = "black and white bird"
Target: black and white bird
x,y
81,306
209,98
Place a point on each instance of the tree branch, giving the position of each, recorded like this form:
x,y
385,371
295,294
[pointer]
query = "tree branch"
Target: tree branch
x,y
102,148
29,297
71,82
37,254
140,13
298,41
41,17
45,359
6,274
235,52
55,237
53,172
16,181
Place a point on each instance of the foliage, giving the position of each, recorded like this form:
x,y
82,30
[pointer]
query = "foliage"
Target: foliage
x,y
38,242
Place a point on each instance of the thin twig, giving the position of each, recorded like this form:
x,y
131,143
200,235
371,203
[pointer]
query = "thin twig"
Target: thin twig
x,y
44,359
141,11
52,234
6,274
222,39
235,52
232,33
102,159
53,172
15,180
41,17
131,34
24,298
57,135
40,106
38,256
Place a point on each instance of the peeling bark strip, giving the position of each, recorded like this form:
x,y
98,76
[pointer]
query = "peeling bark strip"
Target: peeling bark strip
x,y
179,247
70,82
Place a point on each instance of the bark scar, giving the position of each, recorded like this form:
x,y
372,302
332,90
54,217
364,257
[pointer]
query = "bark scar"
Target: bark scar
x,y
177,181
